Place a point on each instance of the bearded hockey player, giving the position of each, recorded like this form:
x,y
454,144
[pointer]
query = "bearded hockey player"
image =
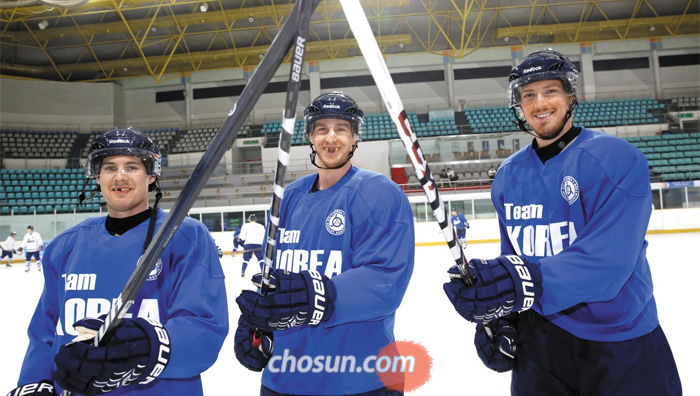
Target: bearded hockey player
x,y
178,322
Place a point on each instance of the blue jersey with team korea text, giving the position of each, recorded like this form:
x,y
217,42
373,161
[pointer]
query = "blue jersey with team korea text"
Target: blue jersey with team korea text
x,y
359,232
85,269
583,216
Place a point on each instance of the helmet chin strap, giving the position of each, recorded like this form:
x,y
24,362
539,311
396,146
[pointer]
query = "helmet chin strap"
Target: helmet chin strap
x,y
521,124
312,155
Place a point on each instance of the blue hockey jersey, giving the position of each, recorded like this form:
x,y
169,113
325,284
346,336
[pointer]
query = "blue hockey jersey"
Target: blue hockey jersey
x,y
360,233
85,268
583,216
459,221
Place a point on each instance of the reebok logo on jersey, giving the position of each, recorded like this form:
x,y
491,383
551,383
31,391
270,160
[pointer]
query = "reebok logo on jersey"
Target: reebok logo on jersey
x,y
532,69
79,281
289,236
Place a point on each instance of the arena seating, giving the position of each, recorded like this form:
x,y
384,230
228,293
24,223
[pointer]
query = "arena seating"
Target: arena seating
x,y
36,144
43,190
199,139
671,157
593,114
379,127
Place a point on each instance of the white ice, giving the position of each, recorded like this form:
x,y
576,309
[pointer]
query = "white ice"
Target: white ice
x,y
425,316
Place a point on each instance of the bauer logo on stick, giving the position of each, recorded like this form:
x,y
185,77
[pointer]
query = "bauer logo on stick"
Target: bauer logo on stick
x,y
335,222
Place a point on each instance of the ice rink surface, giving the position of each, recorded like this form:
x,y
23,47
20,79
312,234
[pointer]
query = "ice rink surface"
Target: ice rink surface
x,y
425,316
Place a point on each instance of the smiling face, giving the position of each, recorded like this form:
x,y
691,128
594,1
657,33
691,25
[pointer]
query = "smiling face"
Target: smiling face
x,y
544,105
333,140
124,185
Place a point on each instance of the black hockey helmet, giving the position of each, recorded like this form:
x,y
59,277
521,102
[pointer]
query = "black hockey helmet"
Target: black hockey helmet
x,y
13,233
30,227
539,66
334,104
252,217
542,65
123,141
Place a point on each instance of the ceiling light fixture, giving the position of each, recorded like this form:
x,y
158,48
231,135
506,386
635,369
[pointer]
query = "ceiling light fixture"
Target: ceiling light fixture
x,y
203,7
506,39
43,24
652,28
251,19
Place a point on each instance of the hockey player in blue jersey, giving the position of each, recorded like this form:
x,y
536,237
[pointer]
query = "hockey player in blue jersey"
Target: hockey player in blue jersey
x,y
460,223
178,322
573,209
344,257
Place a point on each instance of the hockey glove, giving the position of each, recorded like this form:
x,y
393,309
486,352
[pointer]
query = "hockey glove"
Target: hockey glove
x,y
252,358
495,343
137,352
503,285
43,388
295,299
20,249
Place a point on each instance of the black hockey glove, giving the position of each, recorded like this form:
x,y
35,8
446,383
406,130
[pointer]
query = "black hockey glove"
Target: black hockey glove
x,y
137,352
20,249
43,388
252,358
495,343
295,299
503,285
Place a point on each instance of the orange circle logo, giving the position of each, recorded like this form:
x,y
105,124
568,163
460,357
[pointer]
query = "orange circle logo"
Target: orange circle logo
x,y
404,366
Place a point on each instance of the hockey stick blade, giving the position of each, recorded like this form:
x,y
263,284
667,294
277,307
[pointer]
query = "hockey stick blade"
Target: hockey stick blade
x,y
204,169
382,78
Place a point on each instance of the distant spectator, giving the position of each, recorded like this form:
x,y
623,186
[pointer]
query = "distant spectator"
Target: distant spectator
x,y
492,172
452,175
443,177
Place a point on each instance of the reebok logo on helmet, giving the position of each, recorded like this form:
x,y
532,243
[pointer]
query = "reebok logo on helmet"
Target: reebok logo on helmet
x,y
331,106
532,69
116,141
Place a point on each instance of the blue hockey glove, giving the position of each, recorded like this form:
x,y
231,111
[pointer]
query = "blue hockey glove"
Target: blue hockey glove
x,y
252,358
137,352
43,388
503,285
294,299
495,343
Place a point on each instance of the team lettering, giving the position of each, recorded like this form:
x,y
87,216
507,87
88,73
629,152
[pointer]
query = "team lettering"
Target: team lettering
x,y
525,212
297,260
289,236
76,309
541,240
79,281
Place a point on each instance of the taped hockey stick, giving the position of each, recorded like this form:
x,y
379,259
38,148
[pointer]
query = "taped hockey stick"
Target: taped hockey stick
x,y
216,150
382,78
285,142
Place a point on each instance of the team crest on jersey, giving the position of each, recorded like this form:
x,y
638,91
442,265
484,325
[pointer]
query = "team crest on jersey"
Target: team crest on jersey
x,y
335,222
569,189
155,271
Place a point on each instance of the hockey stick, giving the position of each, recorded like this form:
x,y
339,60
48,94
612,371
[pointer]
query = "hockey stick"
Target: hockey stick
x,y
382,78
285,142
216,150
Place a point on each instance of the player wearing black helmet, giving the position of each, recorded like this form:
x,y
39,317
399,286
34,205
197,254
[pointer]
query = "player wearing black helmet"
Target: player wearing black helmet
x,y
333,292
569,306
152,350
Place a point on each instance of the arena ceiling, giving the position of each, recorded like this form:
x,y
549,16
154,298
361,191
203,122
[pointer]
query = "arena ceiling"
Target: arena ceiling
x,y
102,40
